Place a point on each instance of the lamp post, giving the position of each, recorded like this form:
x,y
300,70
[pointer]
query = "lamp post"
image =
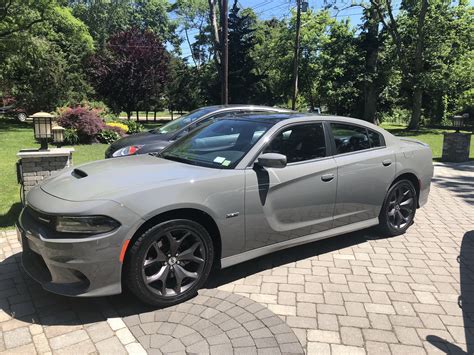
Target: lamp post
x,y
43,128
58,135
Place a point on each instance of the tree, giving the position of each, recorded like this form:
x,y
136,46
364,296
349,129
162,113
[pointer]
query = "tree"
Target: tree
x,y
243,79
183,92
42,68
341,77
410,54
21,16
105,18
193,15
131,71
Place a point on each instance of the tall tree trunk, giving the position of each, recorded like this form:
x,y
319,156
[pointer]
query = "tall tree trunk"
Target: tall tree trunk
x,y
216,35
418,68
416,109
372,45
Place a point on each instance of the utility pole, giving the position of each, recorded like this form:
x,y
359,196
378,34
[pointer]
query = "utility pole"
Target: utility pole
x,y
225,52
296,58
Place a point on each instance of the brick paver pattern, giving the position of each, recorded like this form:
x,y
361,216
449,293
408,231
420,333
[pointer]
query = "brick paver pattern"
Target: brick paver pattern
x,y
356,293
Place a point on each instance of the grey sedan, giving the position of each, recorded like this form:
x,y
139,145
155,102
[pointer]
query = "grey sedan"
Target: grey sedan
x,y
229,191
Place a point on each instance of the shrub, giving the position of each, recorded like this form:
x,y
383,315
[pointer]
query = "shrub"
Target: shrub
x,y
86,123
122,126
98,107
110,134
70,136
133,126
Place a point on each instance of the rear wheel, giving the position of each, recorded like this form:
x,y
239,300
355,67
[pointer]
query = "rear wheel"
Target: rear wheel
x,y
399,208
168,263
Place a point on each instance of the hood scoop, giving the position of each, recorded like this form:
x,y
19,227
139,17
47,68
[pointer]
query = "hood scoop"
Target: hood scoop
x,y
78,173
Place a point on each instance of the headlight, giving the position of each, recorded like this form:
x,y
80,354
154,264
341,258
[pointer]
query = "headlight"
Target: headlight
x,y
87,224
130,150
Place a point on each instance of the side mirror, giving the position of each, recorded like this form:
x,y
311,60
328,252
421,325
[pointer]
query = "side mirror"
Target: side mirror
x,y
272,160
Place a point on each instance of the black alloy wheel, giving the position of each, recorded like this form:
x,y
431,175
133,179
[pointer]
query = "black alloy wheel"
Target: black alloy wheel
x,y
399,208
169,262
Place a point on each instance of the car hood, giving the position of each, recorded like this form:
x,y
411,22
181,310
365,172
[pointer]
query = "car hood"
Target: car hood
x,y
112,178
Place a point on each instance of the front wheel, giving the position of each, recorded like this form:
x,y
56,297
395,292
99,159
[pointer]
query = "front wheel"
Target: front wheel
x,y
168,263
399,208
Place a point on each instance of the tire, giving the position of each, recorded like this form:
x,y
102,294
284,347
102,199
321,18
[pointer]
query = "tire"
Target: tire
x,y
399,208
163,273
22,116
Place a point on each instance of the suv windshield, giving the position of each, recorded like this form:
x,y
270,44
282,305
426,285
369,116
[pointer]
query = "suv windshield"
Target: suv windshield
x,y
220,144
183,121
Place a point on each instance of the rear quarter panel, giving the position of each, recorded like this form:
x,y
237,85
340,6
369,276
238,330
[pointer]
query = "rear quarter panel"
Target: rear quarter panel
x,y
415,157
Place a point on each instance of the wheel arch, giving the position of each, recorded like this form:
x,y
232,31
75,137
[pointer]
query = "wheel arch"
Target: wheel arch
x,y
410,176
192,214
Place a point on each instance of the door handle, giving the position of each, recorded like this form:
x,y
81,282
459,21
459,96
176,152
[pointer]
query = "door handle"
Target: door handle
x,y
386,162
327,177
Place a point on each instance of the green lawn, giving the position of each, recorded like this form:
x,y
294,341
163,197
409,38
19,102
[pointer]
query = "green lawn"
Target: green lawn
x,y
15,136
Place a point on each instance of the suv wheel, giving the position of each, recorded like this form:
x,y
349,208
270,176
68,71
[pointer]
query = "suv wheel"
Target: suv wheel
x,y
399,208
168,263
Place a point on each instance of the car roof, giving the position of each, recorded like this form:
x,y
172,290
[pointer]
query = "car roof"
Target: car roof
x,y
270,117
245,107
276,117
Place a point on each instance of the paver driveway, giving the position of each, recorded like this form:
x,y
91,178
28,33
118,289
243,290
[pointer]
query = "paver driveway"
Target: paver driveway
x,y
357,293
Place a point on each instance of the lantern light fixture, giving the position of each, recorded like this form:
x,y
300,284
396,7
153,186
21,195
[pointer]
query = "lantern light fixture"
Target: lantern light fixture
x,y
58,135
42,122
458,122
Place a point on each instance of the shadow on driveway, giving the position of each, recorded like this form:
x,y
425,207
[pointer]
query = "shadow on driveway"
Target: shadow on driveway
x,y
28,302
465,301
462,186
294,254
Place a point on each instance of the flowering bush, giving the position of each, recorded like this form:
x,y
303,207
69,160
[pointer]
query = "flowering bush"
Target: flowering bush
x,y
98,107
110,134
122,126
87,123
133,126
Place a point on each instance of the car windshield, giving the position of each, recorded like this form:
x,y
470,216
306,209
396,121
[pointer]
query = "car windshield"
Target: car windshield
x,y
220,144
183,121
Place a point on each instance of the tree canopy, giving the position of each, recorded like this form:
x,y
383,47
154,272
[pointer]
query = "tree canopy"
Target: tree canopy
x,y
413,61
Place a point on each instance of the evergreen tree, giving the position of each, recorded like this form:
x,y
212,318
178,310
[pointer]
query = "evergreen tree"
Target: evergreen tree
x,y
243,80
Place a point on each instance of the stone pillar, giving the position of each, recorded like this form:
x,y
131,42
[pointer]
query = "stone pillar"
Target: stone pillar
x,y
456,147
37,165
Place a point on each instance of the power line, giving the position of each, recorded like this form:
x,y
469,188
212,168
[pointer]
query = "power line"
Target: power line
x,y
272,8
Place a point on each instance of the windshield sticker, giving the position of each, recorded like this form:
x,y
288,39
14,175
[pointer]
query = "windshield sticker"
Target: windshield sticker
x,y
226,162
219,160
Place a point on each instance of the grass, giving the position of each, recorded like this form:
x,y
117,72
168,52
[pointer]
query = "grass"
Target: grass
x,y
15,136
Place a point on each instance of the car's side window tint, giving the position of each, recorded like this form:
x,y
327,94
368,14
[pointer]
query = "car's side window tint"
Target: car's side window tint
x,y
375,139
299,142
349,138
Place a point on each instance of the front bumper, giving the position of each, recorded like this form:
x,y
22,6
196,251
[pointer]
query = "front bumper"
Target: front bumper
x,y
84,267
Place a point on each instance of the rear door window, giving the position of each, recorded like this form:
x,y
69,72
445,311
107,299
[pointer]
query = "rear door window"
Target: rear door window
x,y
349,138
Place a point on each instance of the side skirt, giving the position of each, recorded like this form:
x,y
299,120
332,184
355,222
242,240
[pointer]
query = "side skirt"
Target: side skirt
x,y
255,253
